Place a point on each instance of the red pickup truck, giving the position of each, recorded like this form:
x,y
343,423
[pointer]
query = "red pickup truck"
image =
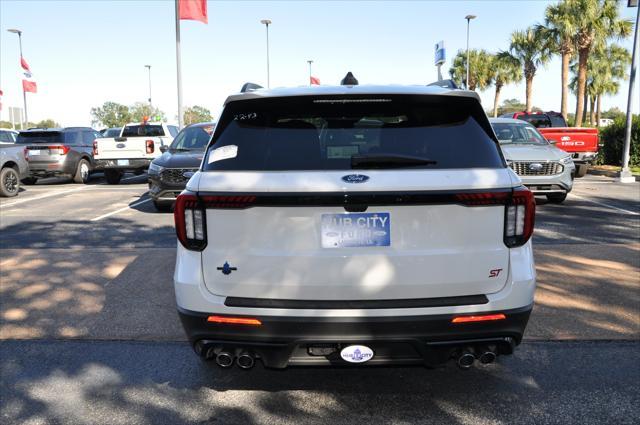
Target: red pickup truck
x,y
580,142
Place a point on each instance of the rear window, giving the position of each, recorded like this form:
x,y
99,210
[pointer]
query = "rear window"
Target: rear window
x,y
41,137
309,133
143,130
537,120
112,132
557,121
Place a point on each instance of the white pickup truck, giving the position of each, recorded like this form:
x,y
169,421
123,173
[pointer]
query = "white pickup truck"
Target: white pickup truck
x,y
133,151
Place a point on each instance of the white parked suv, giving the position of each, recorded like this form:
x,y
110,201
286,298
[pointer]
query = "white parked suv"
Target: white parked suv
x,y
354,225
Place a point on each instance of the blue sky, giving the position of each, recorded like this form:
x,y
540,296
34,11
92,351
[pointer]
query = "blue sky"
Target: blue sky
x,y
83,53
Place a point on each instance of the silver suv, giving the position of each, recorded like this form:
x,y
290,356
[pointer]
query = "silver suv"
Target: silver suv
x,y
543,168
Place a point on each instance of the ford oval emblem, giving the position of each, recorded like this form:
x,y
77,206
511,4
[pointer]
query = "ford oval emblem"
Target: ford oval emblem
x,y
120,145
355,178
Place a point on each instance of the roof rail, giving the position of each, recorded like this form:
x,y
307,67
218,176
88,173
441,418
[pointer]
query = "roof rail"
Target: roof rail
x,y
250,87
446,84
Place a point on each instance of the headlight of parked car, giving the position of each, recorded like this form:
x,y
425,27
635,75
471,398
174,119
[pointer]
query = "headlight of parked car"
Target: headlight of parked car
x,y
566,160
155,169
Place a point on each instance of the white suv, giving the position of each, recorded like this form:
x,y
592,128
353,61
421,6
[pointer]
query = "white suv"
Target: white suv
x,y
354,224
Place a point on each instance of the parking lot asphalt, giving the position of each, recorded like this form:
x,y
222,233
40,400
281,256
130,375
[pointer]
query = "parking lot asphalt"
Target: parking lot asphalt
x,y
87,309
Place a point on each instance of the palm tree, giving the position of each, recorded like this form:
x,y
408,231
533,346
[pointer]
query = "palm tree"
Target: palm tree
x,y
595,21
479,69
559,32
531,50
505,70
605,67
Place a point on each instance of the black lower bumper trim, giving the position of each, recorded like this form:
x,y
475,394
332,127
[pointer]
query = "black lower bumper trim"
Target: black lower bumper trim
x,y
411,340
346,304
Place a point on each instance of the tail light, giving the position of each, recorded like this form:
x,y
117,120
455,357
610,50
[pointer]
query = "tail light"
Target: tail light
x,y
150,146
95,147
189,215
26,153
520,211
519,218
59,149
190,218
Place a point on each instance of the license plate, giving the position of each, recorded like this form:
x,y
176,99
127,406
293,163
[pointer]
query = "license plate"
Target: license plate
x,y
356,230
34,152
123,162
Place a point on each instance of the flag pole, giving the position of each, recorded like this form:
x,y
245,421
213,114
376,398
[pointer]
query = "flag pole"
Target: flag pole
x,y
179,70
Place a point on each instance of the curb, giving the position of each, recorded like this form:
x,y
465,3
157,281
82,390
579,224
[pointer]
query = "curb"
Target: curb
x,y
613,174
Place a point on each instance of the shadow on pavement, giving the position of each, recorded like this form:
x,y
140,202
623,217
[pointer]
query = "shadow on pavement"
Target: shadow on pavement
x,y
164,383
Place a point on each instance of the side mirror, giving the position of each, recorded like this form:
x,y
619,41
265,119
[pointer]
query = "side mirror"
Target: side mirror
x,y
164,148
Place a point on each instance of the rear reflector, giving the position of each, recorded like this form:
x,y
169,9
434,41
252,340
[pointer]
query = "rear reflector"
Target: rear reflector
x,y
488,317
234,320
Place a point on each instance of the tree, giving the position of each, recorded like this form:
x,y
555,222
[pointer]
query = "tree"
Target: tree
x,y
5,124
505,71
595,21
606,65
141,110
110,114
195,114
48,123
531,50
514,105
559,33
479,69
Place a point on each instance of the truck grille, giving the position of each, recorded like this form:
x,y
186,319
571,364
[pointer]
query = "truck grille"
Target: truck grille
x,y
545,168
176,175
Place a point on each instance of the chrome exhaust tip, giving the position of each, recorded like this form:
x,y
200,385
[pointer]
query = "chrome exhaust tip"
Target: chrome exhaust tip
x,y
487,357
224,359
245,361
465,361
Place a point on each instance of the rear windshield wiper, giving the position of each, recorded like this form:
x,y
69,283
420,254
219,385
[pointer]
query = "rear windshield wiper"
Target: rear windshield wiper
x,y
388,161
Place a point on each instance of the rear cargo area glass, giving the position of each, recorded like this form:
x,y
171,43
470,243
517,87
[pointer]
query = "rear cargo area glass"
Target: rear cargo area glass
x,y
324,133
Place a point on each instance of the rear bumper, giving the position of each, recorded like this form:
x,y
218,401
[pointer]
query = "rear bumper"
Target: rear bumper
x,y
407,340
49,169
133,164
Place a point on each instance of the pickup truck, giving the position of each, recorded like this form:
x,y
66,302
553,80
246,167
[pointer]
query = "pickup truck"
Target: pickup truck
x,y
13,168
133,151
580,142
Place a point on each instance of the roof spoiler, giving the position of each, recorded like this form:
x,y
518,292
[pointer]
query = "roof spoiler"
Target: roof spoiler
x,y
445,84
250,87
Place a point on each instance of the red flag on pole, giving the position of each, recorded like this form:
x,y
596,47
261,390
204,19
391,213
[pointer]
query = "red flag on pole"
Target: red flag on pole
x,y
194,10
29,86
314,80
24,64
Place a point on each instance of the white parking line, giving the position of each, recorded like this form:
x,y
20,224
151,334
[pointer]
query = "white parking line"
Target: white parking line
x,y
46,195
135,204
605,205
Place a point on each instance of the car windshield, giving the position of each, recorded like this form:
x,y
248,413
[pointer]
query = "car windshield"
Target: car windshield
x,y
143,130
192,138
518,133
327,133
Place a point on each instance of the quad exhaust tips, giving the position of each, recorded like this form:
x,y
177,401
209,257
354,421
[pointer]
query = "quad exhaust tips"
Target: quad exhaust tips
x,y
224,359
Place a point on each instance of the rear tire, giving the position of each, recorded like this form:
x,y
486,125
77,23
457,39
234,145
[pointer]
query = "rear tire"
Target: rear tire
x,y
556,198
581,170
113,176
9,182
162,206
30,181
83,172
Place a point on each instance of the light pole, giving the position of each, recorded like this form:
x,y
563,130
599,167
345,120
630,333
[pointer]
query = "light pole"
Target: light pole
x,y
625,174
24,94
149,68
468,18
310,62
266,23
